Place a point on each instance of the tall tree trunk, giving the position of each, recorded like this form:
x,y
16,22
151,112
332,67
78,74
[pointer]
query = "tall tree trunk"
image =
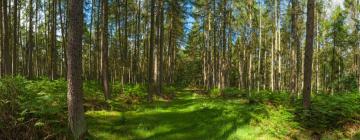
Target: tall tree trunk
x,y
358,44
98,43
276,51
216,51
119,41
125,50
104,50
161,49
15,38
37,68
170,52
90,70
229,48
76,115
137,44
30,43
224,45
156,46
308,53
52,49
1,38
207,53
63,22
295,47
260,48
6,33
317,81
272,78
151,51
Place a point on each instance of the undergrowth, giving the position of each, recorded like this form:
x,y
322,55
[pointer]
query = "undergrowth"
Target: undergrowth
x,y
36,109
32,109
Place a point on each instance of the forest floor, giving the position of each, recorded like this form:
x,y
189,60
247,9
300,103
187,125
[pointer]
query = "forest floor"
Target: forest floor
x,y
40,108
189,116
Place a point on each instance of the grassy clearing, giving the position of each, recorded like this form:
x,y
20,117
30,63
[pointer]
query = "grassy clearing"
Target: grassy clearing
x,y
189,116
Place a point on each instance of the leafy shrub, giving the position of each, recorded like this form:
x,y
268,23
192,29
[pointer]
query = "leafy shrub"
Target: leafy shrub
x,y
226,92
135,90
278,121
215,92
231,92
331,112
49,98
169,92
117,88
11,89
267,97
32,108
92,89
134,93
345,84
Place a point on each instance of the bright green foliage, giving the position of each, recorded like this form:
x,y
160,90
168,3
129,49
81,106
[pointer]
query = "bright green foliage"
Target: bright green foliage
x,y
346,83
92,90
36,108
215,92
135,90
278,121
169,90
117,88
332,112
9,102
226,92
190,117
232,92
46,101
272,98
40,106
134,93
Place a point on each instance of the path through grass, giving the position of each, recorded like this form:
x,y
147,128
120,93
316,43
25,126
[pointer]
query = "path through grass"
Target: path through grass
x,y
189,116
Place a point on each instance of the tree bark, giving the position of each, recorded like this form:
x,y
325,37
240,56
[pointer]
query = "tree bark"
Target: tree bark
x,y
125,50
104,50
295,47
161,49
30,43
308,53
75,92
15,38
223,67
136,64
151,51
260,48
6,59
52,48
1,38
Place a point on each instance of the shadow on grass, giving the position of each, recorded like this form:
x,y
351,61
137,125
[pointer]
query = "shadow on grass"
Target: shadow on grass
x,y
183,118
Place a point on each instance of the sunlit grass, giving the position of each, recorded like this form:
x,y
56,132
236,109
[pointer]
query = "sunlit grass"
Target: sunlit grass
x,y
190,116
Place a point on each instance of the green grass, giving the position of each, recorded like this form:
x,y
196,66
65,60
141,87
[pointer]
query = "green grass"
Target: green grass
x,y
189,116
39,107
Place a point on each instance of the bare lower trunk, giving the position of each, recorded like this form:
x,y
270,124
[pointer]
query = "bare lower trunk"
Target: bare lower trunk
x,y
75,93
104,51
6,59
308,53
151,52
30,44
15,38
